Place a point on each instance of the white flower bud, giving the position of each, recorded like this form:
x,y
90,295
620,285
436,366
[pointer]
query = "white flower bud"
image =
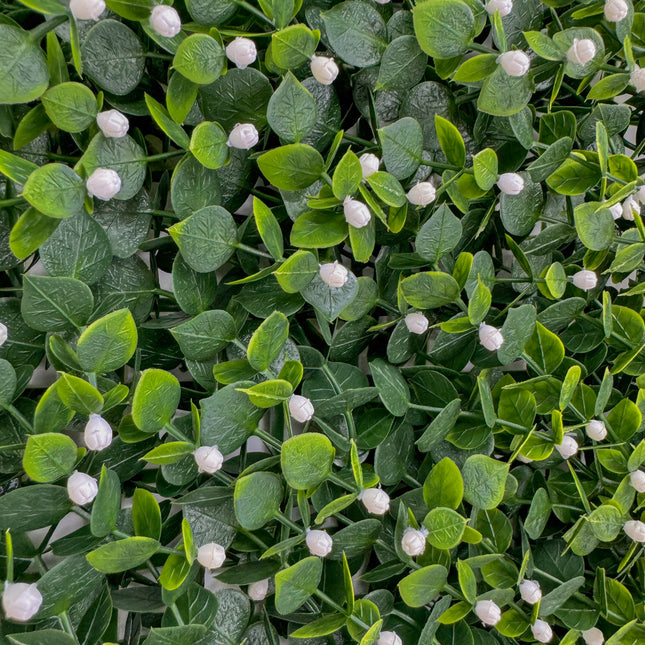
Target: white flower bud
x,y
20,601
87,9
542,631
637,480
165,20
258,590
242,52
635,529
503,6
422,194
4,334
103,183
416,322
637,78
301,408
630,206
616,10
334,274
369,164
376,500
98,433
381,1
211,555
319,542
596,430
113,124
243,136
616,210
530,591
356,213
82,488
389,638
514,63
593,636
413,541
585,280
582,51
488,612
568,447
510,183
324,69
208,459
490,337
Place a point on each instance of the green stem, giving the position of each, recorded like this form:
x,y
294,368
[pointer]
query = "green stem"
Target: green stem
x,y
176,433
5,203
251,9
17,415
44,28
267,438
176,614
283,519
163,155
250,249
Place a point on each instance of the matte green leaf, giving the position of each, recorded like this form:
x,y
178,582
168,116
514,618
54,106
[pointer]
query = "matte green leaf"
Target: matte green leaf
x,y
200,58
203,337
444,485
257,499
306,460
79,395
422,585
291,167
267,341
108,343
155,400
439,235
49,456
70,106
294,585
292,110
121,555
392,388
208,144
484,481
55,190
430,289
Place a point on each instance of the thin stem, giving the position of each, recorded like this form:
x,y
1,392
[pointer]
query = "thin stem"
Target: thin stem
x,y
176,614
66,624
251,9
17,415
163,155
44,28
269,439
5,203
283,519
176,433
250,249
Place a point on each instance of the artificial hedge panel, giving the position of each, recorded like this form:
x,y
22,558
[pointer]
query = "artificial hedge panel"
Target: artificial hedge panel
x,y
341,305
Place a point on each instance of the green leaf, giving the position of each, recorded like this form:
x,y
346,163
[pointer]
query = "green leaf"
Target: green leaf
x,y
356,32
476,69
42,637
206,239
78,395
317,230
107,504
451,141
444,485
439,235
108,343
429,290
269,228
155,400
387,189
268,394
306,460
402,145
200,58
30,231
169,453
443,28
292,111
392,388
146,514
445,527
70,106
485,168
49,456
504,95
402,64
33,507
484,481
320,627
517,330
422,585
294,585
292,167
204,336
24,75
208,145
257,499
121,555
55,190
347,176
441,425
166,123
293,46
267,341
